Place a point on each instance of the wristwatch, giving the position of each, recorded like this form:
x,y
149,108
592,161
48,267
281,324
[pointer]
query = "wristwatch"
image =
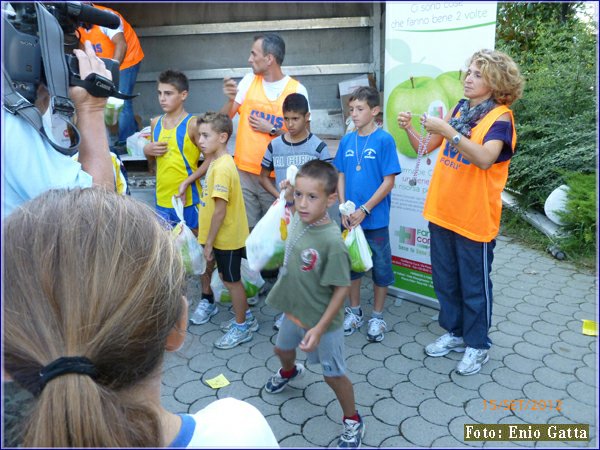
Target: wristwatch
x,y
273,131
456,139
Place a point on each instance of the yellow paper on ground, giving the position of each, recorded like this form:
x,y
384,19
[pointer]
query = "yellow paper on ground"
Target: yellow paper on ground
x,y
218,382
589,328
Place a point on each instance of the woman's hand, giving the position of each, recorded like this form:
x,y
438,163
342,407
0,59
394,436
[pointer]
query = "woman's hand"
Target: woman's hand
x,y
434,125
404,121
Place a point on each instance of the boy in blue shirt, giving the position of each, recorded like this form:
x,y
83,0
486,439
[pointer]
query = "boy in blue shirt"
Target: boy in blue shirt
x,y
368,165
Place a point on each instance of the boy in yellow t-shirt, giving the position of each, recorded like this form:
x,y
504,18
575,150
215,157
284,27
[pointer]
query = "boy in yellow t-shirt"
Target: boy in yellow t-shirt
x,y
223,226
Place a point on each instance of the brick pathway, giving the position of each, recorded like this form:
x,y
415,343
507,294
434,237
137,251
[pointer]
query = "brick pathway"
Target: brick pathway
x,y
406,398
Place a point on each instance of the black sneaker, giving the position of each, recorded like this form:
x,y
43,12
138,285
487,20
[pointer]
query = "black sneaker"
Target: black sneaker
x,y
277,383
353,434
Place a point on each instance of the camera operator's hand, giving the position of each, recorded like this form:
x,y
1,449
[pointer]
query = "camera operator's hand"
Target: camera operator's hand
x,y
88,63
94,155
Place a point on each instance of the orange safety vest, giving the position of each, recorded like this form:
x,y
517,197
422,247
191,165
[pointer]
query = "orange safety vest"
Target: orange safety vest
x,y
250,145
105,48
464,198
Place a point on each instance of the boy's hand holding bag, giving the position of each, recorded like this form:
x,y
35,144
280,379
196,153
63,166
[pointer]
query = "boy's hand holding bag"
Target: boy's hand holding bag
x,y
356,242
265,246
190,249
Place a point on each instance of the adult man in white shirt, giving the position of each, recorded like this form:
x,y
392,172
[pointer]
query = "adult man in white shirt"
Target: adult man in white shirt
x,y
258,99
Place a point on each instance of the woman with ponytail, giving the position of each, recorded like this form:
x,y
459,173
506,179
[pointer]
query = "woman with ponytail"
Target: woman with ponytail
x,y
93,297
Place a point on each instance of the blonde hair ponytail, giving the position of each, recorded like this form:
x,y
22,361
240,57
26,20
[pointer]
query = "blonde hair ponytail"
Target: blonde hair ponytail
x,y
93,274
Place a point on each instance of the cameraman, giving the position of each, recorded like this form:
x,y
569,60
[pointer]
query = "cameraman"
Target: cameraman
x,y
30,165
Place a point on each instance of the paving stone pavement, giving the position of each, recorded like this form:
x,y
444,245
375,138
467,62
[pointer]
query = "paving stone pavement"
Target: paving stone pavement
x,y
406,398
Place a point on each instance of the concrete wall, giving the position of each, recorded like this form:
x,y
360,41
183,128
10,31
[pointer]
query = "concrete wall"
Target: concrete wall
x,y
309,48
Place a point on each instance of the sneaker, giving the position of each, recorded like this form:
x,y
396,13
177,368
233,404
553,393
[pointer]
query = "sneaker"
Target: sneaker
x,y
376,329
204,311
233,338
352,322
352,435
445,344
228,324
472,361
277,383
278,321
252,300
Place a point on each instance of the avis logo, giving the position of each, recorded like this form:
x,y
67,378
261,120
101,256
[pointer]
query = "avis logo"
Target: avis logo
x,y
452,158
276,121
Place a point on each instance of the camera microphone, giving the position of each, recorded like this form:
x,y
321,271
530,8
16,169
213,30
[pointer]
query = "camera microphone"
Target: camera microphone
x,y
89,14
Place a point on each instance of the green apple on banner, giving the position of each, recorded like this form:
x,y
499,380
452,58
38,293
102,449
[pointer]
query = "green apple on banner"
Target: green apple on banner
x,y
417,95
452,82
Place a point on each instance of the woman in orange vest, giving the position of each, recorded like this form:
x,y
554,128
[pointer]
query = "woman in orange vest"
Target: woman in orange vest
x,y
123,45
463,203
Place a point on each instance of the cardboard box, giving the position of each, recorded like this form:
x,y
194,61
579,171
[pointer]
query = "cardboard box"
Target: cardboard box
x,y
347,87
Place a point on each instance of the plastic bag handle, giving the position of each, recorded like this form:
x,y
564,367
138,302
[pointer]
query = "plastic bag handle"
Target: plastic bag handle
x,y
347,208
178,206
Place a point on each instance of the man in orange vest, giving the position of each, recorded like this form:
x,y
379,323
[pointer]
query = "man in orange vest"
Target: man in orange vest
x,y
259,99
123,45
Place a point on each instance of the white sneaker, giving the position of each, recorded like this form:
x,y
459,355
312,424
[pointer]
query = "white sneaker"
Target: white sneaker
x,y
445,344
376,328
472,361
252,324
352,322
204,311
353,434
233,338
278,322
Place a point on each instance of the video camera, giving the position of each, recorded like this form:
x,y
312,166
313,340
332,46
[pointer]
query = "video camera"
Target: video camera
x,y
22,51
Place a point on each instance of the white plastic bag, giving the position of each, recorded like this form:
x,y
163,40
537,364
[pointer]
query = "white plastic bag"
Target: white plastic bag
x,y
251,279
137,141
356,242
187,244
265,247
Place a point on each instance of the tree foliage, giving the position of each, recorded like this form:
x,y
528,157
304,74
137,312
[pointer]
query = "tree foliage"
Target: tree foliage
x,y
556,118
580,215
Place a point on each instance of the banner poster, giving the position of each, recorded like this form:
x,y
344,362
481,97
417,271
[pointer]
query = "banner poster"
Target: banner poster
x,y
426,50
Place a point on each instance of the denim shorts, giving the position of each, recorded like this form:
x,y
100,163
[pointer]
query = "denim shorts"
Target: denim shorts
x,y
190,215
329,352
379,241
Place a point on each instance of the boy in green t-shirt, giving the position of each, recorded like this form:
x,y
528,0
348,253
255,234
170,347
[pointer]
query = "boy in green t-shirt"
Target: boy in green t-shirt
x,y
312,285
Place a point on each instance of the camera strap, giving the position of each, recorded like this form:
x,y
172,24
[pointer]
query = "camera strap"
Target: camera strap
x,y
55,68
16,104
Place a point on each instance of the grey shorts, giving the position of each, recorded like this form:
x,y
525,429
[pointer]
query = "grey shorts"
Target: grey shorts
x,y
256,199
329,352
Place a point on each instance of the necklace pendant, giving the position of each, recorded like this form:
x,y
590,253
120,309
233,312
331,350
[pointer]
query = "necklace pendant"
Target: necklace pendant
x,y
412,182
358,167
